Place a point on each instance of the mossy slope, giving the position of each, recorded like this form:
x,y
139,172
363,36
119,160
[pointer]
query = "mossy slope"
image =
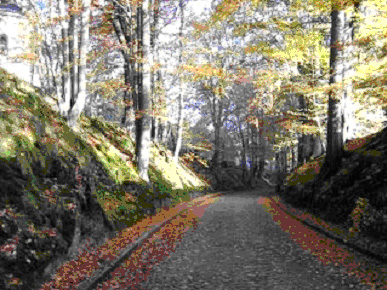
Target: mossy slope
x,y
59,187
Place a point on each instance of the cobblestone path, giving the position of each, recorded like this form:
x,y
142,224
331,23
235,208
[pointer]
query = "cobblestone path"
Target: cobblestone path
x,y
238,245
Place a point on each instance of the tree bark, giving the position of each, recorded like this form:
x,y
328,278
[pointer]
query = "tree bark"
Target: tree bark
x,y
126,96
72,59
125,34
79,105
217,122
253,154
285,160
244,150
317,146
294,157
144,119
155,129
64,98
155,96
180,112
337,97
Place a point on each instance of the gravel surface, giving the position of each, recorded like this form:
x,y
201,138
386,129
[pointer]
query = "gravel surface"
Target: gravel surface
x,y
237,245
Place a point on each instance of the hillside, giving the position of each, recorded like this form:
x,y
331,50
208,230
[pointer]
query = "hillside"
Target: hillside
x,y
354,200
61,189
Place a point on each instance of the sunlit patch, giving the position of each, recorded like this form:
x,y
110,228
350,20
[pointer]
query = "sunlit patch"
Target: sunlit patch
x,y
354,144
305,172
263,201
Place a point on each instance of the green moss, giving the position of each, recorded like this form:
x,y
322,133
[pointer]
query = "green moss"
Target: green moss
x,y
108,143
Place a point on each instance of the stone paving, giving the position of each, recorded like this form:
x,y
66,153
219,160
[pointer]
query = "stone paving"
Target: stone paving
x,y
237,245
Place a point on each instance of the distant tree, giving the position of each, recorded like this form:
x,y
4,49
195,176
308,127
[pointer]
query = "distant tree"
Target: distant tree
x,y
180,100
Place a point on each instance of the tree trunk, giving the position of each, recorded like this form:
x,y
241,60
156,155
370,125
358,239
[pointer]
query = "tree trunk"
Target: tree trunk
x,y
32,72
155,129
124,33
217,122
285,160
162,129
303,139
309,146
138,78
144,119
126,96
294,157
179,134
155,95
337,97
64,98
300,149
165,132
72,60
278,165
243,153
317,146
180,108
79,105
253,154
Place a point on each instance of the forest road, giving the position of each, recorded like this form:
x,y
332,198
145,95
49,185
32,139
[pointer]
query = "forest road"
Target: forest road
x,y
238,245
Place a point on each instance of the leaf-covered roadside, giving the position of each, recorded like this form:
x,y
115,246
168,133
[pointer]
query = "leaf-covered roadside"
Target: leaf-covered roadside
x,y
238,246
368,271
90,260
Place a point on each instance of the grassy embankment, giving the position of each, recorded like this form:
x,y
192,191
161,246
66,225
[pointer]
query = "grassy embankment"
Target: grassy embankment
x,y
47,169
23,111
309,170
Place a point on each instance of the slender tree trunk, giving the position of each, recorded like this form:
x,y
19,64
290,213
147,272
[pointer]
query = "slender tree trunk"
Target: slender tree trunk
x,y
180,108
161,130
168,132
64,98
139,74
300,149
244,151
262,146
165,132
124,32
72,59
32,72
285,160
79,105
179,133
155,95
294,157
126,96
144,104
253,155
217,122
278,165
155,129
302,139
